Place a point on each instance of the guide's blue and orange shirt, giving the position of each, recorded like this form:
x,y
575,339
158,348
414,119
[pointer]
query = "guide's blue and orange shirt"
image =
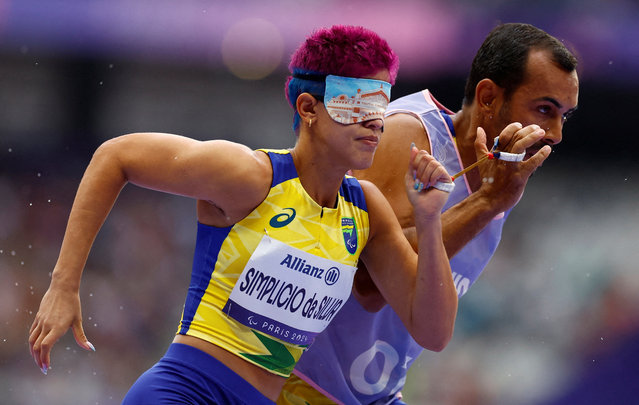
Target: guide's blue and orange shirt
x,y
264,287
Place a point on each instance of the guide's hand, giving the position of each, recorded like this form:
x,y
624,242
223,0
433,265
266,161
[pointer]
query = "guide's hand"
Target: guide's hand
x,y
504,182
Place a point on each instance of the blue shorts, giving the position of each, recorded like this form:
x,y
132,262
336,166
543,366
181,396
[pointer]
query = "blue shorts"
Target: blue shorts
x,y
186,375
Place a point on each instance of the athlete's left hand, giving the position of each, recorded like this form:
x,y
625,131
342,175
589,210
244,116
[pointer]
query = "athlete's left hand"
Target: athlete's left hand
x,y
424,171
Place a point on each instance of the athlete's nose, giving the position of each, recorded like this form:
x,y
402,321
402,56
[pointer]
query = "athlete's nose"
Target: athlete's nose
x,y
374,124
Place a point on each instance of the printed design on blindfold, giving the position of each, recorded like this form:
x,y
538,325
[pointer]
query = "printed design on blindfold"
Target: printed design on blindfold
x,y
351,100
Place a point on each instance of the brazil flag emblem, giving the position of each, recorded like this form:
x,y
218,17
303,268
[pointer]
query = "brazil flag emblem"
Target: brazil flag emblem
x,y
349,230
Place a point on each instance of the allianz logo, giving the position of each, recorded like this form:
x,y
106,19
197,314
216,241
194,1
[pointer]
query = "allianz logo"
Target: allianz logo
x,y
298,264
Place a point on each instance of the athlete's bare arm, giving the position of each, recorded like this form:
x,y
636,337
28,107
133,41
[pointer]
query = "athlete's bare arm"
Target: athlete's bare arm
x,y
230,176
419,288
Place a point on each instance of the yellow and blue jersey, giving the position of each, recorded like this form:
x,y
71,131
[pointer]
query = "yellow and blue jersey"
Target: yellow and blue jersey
x,y
264,287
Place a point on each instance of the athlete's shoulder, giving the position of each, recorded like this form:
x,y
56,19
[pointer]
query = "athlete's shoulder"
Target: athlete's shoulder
x,y
282,164
352,192
372,194
275,151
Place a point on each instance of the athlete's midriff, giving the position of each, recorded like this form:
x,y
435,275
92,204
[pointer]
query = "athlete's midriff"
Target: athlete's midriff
x,y
266,382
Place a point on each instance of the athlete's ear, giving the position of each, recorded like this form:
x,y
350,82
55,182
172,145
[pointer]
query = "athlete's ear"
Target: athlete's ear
x,y
306,106
487,95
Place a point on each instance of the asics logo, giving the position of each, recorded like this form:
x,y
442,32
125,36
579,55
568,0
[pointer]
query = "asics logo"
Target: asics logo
x,y
283,219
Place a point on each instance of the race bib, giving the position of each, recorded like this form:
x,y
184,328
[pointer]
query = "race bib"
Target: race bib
x,y
287,293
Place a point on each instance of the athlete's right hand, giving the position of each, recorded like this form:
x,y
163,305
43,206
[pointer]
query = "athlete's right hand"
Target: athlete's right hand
x,y
59,310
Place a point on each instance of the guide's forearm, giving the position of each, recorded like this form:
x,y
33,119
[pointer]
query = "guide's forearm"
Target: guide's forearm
x,y
463,221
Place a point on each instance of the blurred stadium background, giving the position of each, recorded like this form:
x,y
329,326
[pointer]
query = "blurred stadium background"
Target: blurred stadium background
x,y
553,320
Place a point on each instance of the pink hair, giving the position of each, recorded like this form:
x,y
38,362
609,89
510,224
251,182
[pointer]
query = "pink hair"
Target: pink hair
x,y
345,51
340,50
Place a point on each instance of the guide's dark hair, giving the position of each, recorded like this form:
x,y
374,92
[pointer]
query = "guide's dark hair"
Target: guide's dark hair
x,y
503,55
